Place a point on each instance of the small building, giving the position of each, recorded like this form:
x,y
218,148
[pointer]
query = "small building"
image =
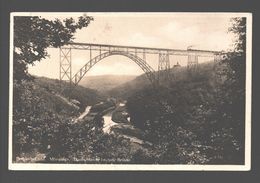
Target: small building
x,y
177,65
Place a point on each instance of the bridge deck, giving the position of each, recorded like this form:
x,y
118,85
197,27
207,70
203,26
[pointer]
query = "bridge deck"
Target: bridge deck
x,y
133,49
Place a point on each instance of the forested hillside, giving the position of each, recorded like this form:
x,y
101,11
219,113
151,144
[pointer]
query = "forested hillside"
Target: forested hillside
x,y
41,106
82,94
127,89
197,118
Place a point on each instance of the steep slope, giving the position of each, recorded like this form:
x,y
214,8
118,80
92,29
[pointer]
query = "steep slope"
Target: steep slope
x,y
40,109
104,83
127,89
84,96
198,118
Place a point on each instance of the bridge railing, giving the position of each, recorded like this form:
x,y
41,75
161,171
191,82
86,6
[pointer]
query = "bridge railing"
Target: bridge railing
x,y
133,49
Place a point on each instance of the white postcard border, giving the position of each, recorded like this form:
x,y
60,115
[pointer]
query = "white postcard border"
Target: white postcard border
x,y
138,167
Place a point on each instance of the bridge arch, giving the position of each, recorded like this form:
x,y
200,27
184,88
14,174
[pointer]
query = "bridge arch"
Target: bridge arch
x,y
149,71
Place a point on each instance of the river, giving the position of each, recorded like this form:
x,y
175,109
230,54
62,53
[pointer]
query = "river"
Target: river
x,y
83,114
122,126
108,122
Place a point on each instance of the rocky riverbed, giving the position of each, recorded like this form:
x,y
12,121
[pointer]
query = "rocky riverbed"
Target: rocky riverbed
x,y
118,122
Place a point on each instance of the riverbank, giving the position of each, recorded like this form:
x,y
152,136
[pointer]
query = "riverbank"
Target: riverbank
x,y
118,122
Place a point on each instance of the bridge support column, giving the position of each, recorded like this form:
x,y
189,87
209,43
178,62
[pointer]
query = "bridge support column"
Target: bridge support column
x,y
65,67
164,67
144,55
65,64
192,61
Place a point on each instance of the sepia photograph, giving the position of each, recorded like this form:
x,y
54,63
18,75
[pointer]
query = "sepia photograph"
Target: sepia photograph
x,y
130,91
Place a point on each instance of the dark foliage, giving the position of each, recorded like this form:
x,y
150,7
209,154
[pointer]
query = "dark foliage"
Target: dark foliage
x,y
39,112
33,35
102,106
86,143
36,115
84,96
42,123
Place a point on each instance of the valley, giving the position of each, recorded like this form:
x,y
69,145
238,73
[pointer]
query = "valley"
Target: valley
x,y
104,83
131,122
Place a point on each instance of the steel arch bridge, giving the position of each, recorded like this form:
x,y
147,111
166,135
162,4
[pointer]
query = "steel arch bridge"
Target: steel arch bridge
x,y
149,71
134,53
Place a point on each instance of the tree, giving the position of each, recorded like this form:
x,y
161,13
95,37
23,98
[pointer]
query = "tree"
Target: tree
x,y
230,105
33,35
237,59
239,29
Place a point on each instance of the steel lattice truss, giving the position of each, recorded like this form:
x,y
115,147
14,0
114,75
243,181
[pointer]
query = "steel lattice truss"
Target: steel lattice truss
x,y
144,66
134,53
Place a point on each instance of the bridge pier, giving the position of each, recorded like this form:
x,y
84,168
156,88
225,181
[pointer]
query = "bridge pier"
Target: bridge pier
x,y
192,61
65,64
164,67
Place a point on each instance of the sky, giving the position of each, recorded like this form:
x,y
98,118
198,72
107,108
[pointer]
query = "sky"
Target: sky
x,y
207,31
